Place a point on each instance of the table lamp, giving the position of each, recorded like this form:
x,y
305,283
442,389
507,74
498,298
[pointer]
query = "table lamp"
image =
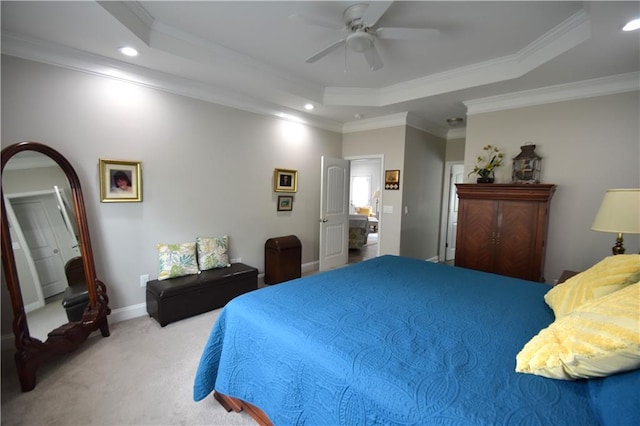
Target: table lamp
x,y
619,213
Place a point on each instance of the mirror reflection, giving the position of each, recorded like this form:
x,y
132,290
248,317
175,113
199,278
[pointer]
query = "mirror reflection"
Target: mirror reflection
x,y
44,236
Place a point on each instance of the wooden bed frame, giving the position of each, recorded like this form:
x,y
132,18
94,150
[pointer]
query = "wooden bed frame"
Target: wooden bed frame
x,y
237,405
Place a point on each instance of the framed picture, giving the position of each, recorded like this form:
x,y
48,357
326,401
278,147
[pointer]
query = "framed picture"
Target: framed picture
x,y
392,179
285,203
285,180
120,181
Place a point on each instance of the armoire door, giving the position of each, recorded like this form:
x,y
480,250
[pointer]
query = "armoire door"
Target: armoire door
x,y
515,243
476,234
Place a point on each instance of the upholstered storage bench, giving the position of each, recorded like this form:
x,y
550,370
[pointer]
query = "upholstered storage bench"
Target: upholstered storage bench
x,y
179,298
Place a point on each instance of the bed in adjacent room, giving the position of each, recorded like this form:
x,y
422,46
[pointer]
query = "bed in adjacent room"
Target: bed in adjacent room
x,y
396,341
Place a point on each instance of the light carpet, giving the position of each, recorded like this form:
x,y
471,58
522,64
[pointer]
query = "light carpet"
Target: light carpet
x,y
141,375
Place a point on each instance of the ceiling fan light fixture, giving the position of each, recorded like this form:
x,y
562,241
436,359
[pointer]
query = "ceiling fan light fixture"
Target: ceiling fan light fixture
x,y
359,41
454,121
309,107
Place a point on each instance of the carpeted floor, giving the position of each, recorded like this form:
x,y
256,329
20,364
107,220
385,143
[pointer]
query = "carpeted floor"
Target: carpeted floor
x,y
141,375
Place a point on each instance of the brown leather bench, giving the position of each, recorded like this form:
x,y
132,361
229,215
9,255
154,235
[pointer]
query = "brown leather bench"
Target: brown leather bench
x,y
183,297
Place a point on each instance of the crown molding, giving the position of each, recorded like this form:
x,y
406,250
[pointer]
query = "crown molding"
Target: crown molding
x,y
458,133
392,120
559,93
427,126
76,60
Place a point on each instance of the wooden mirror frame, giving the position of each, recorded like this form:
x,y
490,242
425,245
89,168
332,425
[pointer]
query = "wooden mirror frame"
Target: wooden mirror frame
x,y
31,352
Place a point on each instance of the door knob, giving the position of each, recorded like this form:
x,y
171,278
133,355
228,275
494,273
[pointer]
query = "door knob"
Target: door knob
x,y
323,220
55,251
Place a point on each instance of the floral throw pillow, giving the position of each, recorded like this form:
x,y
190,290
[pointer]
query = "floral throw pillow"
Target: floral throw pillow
x,y
213,252
177,260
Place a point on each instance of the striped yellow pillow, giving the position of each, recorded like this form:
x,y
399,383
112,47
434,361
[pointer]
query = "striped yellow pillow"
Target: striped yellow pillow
x,y
599,338
610,274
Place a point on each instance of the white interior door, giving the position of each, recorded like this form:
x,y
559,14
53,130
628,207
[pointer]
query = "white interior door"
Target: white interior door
x,y
457,176
334,213
41,242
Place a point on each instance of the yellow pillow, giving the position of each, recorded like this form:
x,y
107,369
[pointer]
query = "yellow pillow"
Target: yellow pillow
x,y
599,338
608,275
364,210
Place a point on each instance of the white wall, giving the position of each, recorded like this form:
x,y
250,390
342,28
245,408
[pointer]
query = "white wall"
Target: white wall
x,y
421,194
588,146
206,169
455,149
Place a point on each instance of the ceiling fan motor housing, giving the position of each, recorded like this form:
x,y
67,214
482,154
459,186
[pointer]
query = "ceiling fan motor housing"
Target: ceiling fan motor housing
x,y
353,16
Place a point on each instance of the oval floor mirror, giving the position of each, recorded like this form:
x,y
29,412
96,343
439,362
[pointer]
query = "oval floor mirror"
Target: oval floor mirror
x,y
47,259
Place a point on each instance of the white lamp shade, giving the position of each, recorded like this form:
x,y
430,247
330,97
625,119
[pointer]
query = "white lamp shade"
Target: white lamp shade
x,y
619,212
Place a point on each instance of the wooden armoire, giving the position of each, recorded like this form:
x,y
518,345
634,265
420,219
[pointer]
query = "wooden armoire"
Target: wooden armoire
x,y
502,228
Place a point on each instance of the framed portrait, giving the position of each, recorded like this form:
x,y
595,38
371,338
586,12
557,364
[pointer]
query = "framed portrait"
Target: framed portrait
x,y
120,181
392,179
285,203
285,180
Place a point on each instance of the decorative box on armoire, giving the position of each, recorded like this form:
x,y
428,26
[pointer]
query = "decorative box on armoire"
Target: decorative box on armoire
x,y
502,228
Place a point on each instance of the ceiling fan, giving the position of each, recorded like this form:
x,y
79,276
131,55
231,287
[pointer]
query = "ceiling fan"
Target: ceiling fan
x,y
362,34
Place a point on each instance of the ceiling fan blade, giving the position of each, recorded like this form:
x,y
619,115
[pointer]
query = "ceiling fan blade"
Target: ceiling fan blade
x,y
374,12
373,58
315,20
325,51
424,34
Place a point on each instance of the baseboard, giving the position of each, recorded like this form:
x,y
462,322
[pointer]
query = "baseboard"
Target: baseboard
x,y
433,259
310,267
128,312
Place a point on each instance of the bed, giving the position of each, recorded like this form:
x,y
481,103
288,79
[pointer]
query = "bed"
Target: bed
x,y
393,341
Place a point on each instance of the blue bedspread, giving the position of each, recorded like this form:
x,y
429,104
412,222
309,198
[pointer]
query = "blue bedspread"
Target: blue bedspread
x,y
389,341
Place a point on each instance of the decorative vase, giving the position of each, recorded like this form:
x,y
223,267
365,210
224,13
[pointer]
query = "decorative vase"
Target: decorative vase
x,y
486,177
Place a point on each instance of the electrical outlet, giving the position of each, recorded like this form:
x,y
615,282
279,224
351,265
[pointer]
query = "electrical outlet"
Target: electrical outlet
x,y
236,260
143,280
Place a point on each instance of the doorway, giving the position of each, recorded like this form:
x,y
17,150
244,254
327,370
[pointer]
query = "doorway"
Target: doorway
x,y
365,199
449,225
336,205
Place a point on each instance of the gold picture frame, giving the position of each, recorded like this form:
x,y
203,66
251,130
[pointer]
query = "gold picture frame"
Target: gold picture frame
x,y
392,179
120,181
285,180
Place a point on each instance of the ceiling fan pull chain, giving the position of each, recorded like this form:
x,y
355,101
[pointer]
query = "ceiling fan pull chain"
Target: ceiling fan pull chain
x,y
345,58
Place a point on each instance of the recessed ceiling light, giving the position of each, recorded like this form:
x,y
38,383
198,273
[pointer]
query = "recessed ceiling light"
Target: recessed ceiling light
x,y
632,25
128,51
309,107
